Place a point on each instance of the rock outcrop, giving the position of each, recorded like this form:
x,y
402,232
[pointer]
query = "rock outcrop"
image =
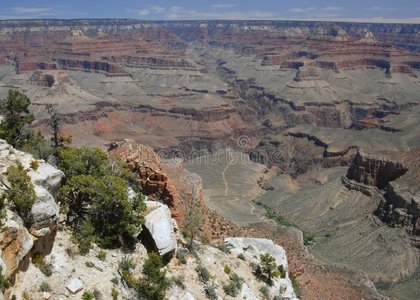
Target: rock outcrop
x,y
151,176
158,230
252,248
397,178
167,181
375,171
16,241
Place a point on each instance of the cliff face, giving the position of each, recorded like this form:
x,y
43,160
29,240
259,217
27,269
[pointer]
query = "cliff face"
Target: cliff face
x,y
167,181
17,242
397,176
95,45
375,171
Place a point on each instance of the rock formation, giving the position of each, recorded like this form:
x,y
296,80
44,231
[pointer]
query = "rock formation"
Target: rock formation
x,y
158,229
253,248
17,242
398,176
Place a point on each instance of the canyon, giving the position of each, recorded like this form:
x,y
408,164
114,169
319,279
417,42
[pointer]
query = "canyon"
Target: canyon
x,y
316,121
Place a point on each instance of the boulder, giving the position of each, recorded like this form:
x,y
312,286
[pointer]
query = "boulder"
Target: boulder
x,y
75,285
47,176
15,243
158,224
44,212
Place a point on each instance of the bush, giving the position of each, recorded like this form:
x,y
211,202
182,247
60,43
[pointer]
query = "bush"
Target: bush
x,y
45,287
103,205
225,248
88,296
227,269
295,285
84,161
211,292
39,261
4,281
181,255
234,286
34,165
269,268
203,273
154,284
282,271
101,255
20,192
114,293
126,267
46,269
241,256
265,292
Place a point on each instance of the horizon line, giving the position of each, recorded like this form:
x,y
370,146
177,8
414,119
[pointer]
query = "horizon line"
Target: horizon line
x,y
215,20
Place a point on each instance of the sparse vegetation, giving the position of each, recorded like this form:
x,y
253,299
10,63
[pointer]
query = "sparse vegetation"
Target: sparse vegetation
x,y
39,261
114,293
181,254
4,281
203,273
87,295
210,292
178,281
241,256
193,222
54,123
225,247
272,215
20,191
265,292
101,255
308,239
45,287
295,285
154,283
234,286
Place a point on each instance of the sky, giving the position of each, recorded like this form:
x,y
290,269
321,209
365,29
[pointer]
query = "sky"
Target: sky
x,y
404,11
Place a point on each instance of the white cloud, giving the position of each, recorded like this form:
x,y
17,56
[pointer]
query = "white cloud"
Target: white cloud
x,y
157,9
332,8
179,13
224,5
143,12
380,8
302,10
34,11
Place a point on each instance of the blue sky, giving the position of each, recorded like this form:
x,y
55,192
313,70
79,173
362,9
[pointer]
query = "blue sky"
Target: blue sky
x,y
353,10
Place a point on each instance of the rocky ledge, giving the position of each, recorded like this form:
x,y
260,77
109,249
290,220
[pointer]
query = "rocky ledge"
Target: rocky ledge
x,y
18,242
396,179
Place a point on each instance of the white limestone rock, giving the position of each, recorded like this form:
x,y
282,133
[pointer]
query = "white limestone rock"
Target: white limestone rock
x,y
75,285
252,248
44,212
159,224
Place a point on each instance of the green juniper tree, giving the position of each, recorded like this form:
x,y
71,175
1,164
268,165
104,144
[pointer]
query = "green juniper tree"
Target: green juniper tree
x,y
15,108
20,191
